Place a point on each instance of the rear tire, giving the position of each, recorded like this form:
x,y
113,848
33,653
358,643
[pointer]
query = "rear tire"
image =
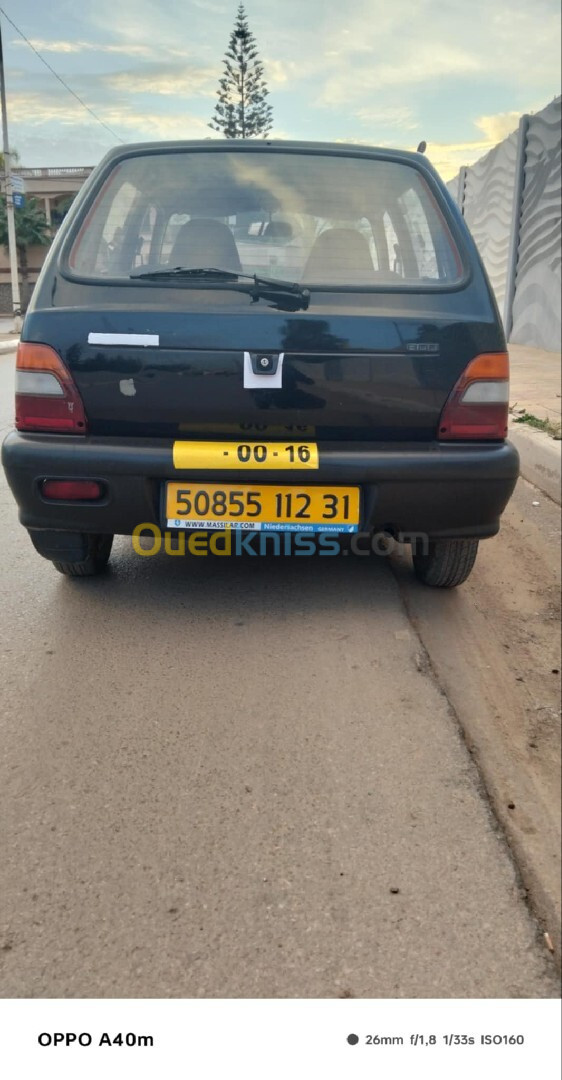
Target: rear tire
x,y
446,564
96,560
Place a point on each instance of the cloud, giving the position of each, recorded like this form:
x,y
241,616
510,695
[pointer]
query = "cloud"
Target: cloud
x,y
169,80
280,72
495,128
38,111
448,158
395,116
216,9
420,64
43,46
278,133
402,45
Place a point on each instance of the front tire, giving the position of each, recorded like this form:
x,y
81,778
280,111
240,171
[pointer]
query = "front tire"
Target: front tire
x,y
445,563
95,561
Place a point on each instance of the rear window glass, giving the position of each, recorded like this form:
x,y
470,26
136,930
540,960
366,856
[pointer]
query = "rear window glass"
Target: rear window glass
x,y
312,218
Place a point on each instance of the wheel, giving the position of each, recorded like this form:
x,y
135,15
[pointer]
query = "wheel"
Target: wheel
x,y
445,563
97,557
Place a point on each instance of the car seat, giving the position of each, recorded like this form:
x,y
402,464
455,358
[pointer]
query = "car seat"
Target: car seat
x,y
204,242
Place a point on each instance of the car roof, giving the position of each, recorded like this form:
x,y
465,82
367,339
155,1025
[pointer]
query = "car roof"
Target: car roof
x,y
263,145
159,149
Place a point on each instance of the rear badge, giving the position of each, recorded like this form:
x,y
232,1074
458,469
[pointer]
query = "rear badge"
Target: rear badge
x,y
263,371
422,346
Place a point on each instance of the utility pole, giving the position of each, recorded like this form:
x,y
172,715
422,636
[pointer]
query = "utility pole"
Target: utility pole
x,y
12,247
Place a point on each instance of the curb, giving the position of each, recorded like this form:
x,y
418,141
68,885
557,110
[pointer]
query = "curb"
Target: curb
x,y
541,459
9,346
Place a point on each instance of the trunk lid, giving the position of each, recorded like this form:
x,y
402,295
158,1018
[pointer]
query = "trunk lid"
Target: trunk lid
x,y
348,373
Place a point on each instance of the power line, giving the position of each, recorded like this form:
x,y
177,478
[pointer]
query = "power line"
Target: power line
x,y
57,76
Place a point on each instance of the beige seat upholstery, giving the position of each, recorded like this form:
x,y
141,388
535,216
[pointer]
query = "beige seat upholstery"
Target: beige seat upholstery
x,y
340,257
204,242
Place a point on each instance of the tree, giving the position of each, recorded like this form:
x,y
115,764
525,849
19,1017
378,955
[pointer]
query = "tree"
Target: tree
x,y
14,160
242,110
61,208
32,230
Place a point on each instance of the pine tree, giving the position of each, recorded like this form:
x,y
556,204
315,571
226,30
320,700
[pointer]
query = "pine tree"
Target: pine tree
x,y
242,110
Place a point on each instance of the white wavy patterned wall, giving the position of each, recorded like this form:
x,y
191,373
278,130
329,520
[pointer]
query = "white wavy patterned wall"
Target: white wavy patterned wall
x,y
453,187
488,209
536,308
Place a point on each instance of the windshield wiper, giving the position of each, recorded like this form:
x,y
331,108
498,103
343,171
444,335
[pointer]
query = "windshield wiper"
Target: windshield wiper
x,y
254,284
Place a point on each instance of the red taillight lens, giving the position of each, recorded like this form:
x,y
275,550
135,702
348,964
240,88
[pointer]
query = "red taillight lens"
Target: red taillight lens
x,y
478,407
82,490
46,396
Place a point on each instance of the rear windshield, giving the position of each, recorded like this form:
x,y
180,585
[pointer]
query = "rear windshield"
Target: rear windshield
x,y
312,218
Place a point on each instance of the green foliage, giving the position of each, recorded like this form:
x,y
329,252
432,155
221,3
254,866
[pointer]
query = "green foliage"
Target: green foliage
x,y
552,427
14,160
242,110
60,210
31,225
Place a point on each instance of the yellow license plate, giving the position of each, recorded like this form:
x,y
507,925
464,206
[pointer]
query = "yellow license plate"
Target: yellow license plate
x,y
277,507
245,455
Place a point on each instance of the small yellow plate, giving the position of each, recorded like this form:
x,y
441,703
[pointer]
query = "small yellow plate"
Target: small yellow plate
x,y
245,455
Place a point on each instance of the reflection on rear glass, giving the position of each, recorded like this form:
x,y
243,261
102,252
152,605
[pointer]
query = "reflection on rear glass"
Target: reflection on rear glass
x,y
316,218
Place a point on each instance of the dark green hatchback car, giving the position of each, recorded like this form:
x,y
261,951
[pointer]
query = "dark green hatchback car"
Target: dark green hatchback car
x,y
264,337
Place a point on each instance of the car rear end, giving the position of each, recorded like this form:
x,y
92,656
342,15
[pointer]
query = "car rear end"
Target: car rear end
x,y
161,383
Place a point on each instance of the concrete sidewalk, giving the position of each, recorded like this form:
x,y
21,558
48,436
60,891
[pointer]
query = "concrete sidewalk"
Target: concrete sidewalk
x,y
535,382
8,342
536,390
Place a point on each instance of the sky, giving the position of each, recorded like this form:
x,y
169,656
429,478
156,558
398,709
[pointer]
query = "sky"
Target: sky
x,y
456,73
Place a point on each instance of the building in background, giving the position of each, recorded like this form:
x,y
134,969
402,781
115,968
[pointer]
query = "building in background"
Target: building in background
x,y
511,202
54,190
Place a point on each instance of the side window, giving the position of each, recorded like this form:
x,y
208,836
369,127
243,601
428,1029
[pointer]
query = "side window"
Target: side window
x,y
131,243
420,234
142,255
120,207
110,250
393,245
365,228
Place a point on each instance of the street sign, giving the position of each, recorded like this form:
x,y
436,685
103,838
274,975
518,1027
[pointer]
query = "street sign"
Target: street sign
x,y
19,200
18,184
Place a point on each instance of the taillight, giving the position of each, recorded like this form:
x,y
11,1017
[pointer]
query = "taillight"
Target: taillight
x,y
478,406
46,396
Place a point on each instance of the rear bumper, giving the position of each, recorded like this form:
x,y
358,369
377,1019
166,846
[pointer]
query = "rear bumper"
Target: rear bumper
x,y
441,490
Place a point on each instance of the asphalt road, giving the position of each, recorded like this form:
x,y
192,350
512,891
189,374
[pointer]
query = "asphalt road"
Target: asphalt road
x,y
240,778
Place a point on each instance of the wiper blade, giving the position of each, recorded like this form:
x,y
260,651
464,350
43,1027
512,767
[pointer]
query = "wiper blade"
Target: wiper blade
x,y
187,272
256,285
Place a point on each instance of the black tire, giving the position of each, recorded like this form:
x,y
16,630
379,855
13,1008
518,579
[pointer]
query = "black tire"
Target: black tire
x,y
446,563
99,550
